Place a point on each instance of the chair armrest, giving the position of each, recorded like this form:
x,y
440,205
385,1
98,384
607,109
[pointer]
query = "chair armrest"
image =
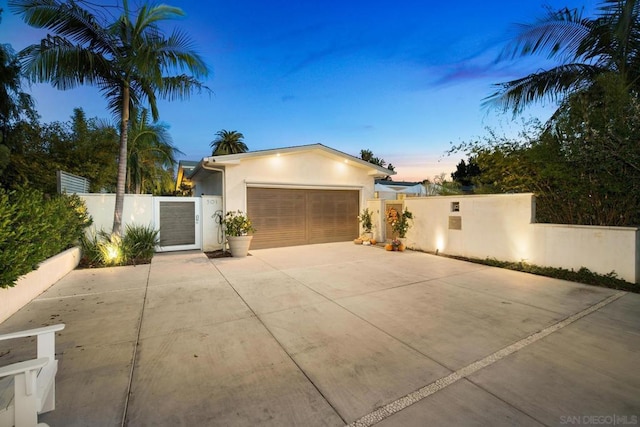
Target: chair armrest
x,y
20,367
32,332
46,339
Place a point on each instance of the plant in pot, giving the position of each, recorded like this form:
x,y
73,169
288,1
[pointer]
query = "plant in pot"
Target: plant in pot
x,y
400,223
366,222
237,227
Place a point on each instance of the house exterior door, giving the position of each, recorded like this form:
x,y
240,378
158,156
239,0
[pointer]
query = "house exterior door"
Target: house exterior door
x,y
389,209
179,222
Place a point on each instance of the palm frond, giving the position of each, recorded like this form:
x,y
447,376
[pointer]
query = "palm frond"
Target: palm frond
x,y
559,34
550,85
181,87
65,19
62,63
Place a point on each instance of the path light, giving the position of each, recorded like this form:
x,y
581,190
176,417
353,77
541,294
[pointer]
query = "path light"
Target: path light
x,y
439,242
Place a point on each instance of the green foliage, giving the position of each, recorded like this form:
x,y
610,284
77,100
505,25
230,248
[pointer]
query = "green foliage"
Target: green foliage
x,y
583,275
128,57
103,249
139,243
14,103
466,172
85,147
365,219
367,156
151,158
237,224
228,142
34,228
584,48
583,165
400,222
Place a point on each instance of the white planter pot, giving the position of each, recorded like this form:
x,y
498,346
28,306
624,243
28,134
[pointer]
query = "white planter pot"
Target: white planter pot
x,y
239,245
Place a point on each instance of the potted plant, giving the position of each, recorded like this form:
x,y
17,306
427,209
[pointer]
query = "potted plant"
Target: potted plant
x,y
400,223
237,227
366,222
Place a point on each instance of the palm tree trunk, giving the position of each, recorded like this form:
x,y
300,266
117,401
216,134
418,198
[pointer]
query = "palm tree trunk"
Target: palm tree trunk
x,y
122,163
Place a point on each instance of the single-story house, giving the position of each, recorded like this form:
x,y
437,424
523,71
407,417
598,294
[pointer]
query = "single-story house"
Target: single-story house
x,y
390,190
294,195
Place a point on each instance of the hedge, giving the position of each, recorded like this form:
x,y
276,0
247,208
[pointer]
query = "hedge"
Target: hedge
x,y
34,227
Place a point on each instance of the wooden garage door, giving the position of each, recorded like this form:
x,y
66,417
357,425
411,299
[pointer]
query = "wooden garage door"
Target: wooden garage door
x,y
287,217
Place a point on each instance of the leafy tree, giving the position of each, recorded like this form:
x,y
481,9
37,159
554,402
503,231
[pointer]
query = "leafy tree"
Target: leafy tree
x,y
228,142
367,156
14,103
585,49
152,155
81,146
465,172
583,166
597,135
94,152
130,60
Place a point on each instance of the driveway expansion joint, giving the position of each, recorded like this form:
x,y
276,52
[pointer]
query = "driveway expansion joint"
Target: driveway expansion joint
x,y
414,397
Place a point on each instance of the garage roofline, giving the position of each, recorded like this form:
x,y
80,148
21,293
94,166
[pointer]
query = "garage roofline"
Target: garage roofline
x,y
234,159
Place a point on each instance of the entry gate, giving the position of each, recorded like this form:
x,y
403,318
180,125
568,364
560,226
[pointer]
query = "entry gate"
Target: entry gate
x,y
178,219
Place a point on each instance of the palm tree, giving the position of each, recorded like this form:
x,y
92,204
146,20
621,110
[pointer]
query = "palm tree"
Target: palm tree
x,y
586,49
129,60
228,142
13,101
151,154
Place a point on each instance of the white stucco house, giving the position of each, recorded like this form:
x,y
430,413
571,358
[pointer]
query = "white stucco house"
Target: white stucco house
x,y
294,195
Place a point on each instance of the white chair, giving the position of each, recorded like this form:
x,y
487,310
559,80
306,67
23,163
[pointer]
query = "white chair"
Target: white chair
x,y
34,387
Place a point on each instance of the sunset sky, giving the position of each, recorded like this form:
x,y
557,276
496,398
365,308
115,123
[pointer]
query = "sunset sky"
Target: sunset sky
x,y
402,79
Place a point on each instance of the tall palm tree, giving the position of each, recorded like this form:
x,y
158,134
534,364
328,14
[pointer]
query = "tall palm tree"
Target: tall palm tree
x,y
585,48
130,60
228,142
151,153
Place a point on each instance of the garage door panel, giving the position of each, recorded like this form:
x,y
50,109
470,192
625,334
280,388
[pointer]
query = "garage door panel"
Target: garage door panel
x,y
287,217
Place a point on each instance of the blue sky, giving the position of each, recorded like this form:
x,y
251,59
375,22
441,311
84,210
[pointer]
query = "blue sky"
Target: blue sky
x,y
403,79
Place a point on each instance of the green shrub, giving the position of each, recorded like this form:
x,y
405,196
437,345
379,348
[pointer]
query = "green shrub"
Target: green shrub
x,y
34,227
137,246
583,275
139,243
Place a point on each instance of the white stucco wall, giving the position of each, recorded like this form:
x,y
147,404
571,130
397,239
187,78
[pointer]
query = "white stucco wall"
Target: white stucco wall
x,y
493,226
210,184
376,206
37,281
310,169
211,235
600,249
501,227
138,209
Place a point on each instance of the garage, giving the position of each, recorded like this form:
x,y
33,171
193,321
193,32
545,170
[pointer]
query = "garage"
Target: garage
x,y
289,217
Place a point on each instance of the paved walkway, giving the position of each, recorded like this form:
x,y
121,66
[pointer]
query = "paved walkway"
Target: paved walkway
x,y
335,334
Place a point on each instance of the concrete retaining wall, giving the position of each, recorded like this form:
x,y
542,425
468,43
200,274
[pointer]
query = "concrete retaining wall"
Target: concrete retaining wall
x,y
33,284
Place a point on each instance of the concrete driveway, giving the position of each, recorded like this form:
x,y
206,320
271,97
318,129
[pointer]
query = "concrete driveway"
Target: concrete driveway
x,y
331,335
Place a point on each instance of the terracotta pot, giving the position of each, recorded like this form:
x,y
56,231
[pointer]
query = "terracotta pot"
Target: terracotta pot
x,y
388,247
